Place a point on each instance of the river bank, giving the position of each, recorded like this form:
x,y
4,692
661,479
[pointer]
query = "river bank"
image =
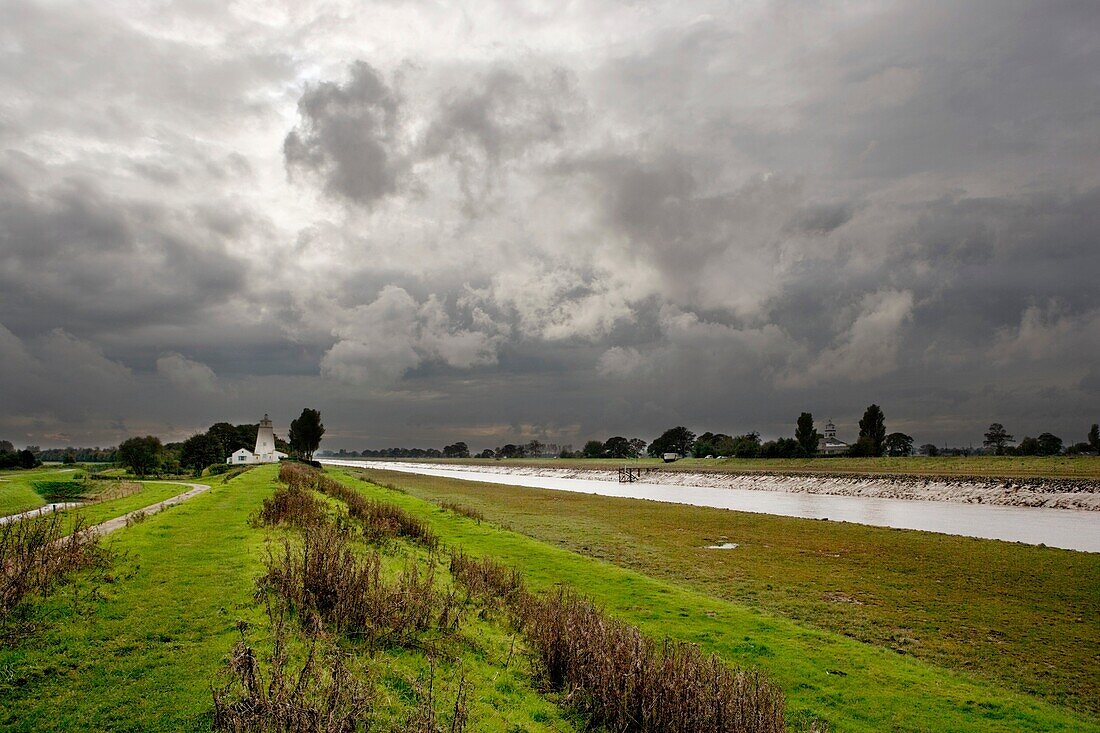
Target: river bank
x,y
1047,493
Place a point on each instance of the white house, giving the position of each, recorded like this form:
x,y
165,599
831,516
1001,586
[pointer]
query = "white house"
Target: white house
x,y
265,447
829,444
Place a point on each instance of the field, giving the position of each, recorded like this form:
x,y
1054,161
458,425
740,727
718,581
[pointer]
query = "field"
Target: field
x,y
1022,616
139,649
1075,467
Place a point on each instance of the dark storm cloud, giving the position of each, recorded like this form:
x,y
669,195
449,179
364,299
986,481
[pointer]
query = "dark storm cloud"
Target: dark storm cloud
x,y
78,258
559,224
348,135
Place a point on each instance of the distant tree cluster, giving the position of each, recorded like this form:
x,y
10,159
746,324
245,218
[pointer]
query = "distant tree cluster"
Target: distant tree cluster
x,y
12,458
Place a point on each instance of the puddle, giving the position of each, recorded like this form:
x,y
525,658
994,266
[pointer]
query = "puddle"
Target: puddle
x,y
723,546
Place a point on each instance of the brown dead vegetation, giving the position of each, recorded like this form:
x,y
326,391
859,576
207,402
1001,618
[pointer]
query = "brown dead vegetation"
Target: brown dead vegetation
x,y
321,696
36,555
325,576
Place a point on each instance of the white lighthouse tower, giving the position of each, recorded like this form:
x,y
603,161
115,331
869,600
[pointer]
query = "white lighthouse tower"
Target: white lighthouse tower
x,y
265,447
265,442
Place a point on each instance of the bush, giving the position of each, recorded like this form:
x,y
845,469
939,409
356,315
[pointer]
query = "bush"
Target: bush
x,y
486,578
465,511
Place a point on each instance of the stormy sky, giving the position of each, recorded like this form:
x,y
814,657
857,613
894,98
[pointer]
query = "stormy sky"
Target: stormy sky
x,y
516,220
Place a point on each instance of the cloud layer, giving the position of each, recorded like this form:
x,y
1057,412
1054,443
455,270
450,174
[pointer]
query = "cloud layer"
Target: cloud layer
x,y
548,222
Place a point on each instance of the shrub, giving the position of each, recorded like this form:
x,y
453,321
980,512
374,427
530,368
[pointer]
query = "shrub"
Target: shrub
x,y
35,555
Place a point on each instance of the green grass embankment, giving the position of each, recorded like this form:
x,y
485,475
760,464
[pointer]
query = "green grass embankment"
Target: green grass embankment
x,y
1024,616
855,686
140,653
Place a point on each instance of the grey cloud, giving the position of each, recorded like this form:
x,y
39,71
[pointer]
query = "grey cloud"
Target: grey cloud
x,y
348,135
721,219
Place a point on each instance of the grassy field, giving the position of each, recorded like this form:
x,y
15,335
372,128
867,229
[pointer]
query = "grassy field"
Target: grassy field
x,y
853,685
139,649
1023,616
140,653
1080,467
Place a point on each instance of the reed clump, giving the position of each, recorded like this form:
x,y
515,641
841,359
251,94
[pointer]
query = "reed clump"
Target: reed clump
x,y
325,577
486,579
462,510
621,679
36,554
380,520
615,675
291,506
320,696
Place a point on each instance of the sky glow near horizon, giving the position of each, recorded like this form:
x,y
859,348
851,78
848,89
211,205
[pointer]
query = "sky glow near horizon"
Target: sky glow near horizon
x,y
504,221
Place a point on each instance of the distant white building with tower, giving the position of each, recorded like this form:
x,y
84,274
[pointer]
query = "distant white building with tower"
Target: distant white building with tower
x,y
265,447
828,444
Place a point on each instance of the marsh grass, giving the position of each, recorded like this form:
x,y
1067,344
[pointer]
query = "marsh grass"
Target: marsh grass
x,y
616,676
323,575
380,520
462,510
291,506
320,696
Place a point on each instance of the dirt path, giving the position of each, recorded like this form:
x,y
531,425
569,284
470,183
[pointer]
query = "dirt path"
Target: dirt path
x,y
119,522
39,511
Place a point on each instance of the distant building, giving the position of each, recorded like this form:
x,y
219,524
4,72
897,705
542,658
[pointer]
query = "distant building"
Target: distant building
x,y
265,447
828,444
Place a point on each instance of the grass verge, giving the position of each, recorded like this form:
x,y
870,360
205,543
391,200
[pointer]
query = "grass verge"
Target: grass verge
x,y
853,686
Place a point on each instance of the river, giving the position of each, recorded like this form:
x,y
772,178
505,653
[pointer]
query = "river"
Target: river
x,y
1064,528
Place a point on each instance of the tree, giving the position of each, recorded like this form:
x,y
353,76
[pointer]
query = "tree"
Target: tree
x,y
930,450
1028,447
872,432
27,458
1049,444
305,433
997,438
747,445
674,440
200,451
592,449
141,455
618,447
1094,438
806,435
234,437
782,448
456,450
637,447
487,453
534,448
898,444
7,447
